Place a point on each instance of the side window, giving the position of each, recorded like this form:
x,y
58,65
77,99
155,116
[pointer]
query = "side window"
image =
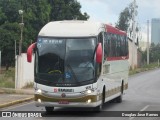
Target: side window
x,y
114,45
117,46
100,38
109,44
36,63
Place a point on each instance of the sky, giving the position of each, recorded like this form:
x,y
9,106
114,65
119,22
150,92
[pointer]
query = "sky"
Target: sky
x,y
107,11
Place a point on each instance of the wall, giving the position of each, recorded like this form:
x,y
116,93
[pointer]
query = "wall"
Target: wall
x,y
24,71
131,54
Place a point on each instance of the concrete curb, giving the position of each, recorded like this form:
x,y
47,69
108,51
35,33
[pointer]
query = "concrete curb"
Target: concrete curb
x,y
16,102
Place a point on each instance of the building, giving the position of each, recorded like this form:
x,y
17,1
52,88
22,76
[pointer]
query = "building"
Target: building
x,y
155,30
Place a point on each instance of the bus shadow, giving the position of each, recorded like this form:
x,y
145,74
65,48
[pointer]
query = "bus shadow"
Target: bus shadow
x,y
81,112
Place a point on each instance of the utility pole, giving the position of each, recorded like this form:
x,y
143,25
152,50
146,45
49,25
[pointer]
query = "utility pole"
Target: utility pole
x,y
19,61
134,35
21,27
147,42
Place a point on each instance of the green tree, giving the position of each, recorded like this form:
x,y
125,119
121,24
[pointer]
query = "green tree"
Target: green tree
x,y
66,10
126,17
154,53
8,35
9,10
2,17
36,14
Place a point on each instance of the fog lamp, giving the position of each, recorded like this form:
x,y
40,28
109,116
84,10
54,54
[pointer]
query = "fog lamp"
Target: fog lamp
x,y
39,100
88,101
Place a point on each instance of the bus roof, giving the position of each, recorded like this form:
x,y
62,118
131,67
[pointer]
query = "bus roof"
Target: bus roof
x,y
111,29
72,28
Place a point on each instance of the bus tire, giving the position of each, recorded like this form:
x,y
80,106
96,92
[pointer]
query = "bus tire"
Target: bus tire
x,y
49,109
119,98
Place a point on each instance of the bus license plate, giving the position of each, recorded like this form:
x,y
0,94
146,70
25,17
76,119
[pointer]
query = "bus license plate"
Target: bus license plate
x,y
63,102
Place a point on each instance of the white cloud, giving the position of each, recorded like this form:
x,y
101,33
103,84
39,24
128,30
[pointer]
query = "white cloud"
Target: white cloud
x,y
96,10
108,11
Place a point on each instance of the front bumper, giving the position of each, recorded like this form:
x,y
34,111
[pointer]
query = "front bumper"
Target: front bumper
x,y
42,100
73,104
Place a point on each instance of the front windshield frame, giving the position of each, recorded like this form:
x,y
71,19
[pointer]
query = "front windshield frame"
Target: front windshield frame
x,y
77,83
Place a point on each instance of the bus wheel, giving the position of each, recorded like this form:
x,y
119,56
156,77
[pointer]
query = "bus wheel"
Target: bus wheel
x,y
119,98
49,109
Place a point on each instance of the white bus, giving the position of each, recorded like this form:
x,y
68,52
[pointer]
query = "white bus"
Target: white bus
x,y
79,64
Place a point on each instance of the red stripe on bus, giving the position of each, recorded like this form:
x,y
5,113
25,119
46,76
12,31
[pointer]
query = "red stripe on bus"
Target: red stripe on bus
x,y
113,30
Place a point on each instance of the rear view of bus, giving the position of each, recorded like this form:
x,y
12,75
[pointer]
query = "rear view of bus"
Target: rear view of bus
x,y
69,66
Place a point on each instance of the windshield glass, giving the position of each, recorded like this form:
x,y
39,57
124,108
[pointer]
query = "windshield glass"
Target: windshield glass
x,y
65,61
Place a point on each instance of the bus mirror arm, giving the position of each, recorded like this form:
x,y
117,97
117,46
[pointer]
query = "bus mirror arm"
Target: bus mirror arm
x,y
99,53
30,51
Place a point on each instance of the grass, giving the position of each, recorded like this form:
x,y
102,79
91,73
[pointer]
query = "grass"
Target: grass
x,y
7,78
145,67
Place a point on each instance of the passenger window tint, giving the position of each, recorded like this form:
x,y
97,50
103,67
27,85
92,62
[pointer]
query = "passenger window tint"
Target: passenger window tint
x,y
115,45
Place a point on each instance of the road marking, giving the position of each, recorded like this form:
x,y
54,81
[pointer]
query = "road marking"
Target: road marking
x,y
16,106
143,109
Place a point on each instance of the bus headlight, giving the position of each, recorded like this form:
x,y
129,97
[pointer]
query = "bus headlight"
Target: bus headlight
x,y
39,91
89,91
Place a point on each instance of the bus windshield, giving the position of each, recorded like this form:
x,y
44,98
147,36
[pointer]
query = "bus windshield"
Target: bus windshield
x,y
65,61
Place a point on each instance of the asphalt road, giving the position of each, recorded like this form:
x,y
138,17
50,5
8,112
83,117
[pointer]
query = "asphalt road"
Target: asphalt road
x,y
143,95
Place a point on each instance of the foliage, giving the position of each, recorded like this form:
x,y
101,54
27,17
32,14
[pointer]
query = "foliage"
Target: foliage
x,y
8,35
154,55
66,10
144,68
154,52
36,14
125,17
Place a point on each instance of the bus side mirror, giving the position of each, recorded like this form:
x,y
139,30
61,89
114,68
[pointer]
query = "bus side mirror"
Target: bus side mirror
x,y
30,51
99,53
